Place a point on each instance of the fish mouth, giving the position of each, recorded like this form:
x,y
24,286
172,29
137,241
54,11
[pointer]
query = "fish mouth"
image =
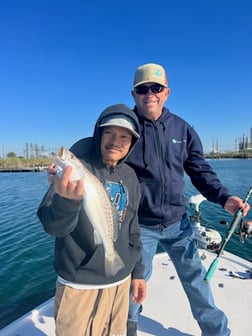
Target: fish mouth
x,y
61,151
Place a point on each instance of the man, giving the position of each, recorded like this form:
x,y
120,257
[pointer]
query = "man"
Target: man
x,y
167,147
88,301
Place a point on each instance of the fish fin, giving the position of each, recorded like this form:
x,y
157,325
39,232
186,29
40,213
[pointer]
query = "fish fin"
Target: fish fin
x,y
97,238
113,264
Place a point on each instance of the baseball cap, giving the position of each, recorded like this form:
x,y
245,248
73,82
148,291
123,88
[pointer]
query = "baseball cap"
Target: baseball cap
x,y
121,121
150,73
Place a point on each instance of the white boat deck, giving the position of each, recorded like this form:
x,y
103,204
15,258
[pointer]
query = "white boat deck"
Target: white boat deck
x,y
166,309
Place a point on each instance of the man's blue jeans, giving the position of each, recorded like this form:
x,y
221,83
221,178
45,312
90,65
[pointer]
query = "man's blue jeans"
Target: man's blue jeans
x,y
179,242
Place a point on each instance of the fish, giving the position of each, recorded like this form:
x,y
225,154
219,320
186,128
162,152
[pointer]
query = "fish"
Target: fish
x,y
97,205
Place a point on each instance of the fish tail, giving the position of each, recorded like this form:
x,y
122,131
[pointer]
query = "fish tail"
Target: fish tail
x,y
113,264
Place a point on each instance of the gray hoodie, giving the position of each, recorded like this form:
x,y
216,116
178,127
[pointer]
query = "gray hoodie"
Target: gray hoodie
x,y
77,258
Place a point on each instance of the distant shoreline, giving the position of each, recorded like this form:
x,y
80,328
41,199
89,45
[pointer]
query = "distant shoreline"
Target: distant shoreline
x,y
23,169
21,165
239,155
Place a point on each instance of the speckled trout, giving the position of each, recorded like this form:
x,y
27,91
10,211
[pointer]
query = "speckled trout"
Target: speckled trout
x,y
97,205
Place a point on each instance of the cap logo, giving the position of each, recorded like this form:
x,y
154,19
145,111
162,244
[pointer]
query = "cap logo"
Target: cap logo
x,y
158,73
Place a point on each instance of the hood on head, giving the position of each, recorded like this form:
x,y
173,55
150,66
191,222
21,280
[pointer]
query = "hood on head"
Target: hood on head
x,y
116,115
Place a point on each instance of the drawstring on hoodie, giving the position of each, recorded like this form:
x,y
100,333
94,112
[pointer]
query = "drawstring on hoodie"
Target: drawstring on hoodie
x,y
164,128
145,159
146,125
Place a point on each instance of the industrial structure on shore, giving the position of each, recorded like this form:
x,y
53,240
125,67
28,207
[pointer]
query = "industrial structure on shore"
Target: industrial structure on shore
x,y
243,144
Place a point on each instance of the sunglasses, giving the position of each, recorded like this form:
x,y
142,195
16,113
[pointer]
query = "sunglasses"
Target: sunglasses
x,y
143,89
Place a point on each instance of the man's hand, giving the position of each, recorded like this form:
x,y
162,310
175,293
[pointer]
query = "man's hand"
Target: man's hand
x,y
66,188
139,290
234,203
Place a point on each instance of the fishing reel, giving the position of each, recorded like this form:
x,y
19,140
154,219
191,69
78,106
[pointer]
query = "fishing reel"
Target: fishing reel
x,y
206,236
244,229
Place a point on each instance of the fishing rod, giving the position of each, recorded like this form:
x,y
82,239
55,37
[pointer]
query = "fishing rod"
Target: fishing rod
x,y
236,220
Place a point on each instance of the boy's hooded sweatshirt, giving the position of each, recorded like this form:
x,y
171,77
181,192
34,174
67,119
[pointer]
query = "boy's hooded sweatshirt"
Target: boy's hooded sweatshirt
x,y
77,258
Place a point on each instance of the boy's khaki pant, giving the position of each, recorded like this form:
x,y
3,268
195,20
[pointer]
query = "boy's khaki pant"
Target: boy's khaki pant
x,y
92,312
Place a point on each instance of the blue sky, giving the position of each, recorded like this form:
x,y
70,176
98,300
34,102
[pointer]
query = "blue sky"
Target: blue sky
x,y
63,62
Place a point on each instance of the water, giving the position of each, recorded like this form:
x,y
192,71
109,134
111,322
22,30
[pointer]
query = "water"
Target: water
x,y
27,277
26,251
